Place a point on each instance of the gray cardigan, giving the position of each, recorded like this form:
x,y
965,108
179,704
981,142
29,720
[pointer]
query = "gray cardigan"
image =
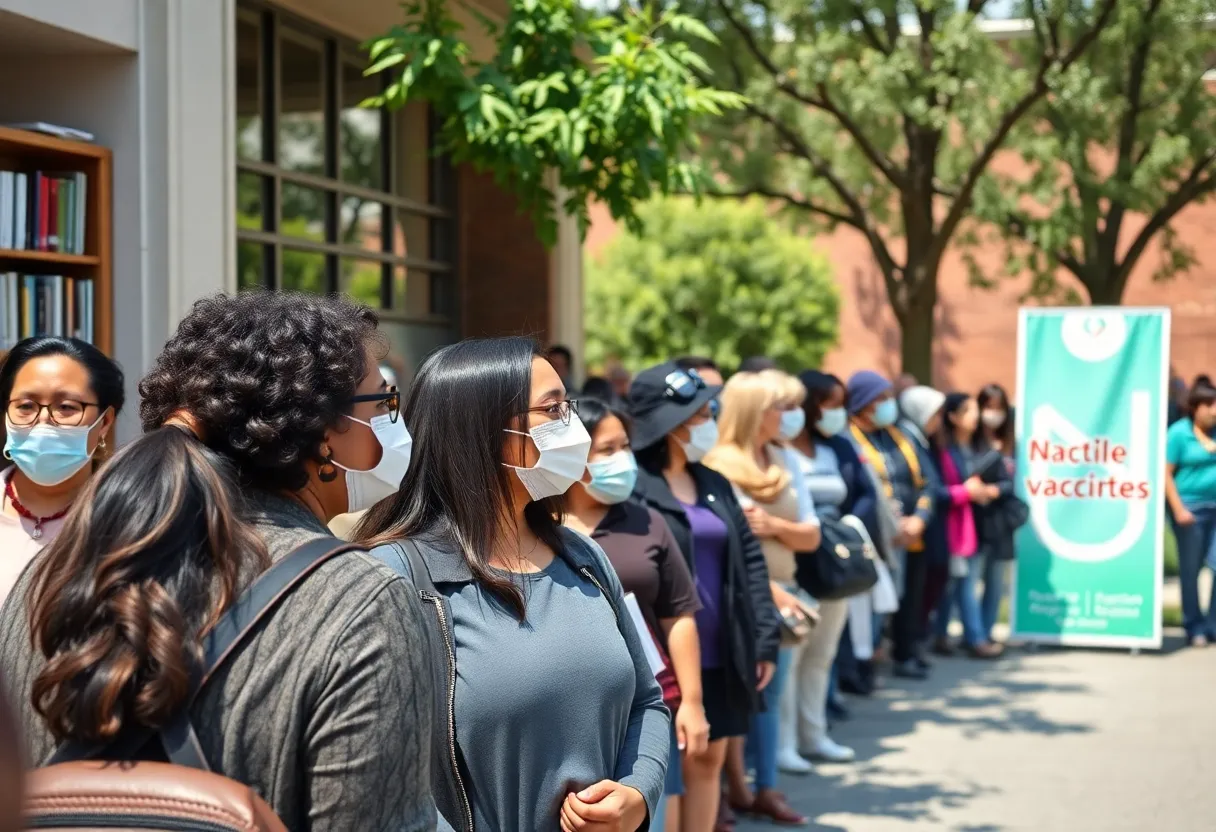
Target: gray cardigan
x,y
325,712
642,759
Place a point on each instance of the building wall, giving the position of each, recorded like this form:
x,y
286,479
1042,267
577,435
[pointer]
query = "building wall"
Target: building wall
x,y
976,329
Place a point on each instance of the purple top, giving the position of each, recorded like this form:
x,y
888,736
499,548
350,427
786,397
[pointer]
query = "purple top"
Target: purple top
x,y
709,558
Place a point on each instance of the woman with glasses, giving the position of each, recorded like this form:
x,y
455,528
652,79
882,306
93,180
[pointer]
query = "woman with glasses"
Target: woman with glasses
x,y
737,625
61,397
264,417
652,568
551,715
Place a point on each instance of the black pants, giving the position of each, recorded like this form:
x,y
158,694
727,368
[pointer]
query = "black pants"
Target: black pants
x,y
906,624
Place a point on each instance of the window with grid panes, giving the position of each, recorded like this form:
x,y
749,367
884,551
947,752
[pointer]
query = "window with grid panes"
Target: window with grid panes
x,y
332,197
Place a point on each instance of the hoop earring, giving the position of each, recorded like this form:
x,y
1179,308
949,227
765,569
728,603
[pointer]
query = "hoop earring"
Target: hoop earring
x,y
327,471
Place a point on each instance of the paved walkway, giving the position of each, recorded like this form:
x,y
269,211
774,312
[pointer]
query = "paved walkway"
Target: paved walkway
x,y
1047,740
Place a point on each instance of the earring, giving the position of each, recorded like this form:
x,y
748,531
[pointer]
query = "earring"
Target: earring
x,y
327,472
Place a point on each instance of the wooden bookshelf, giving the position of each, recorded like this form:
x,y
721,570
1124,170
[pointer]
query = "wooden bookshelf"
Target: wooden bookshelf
x,y
21,150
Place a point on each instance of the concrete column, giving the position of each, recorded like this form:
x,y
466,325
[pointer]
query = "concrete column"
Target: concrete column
x,y
566,288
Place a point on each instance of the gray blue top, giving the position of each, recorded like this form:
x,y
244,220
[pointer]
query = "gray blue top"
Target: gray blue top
x,y
541,708
822,477
552,695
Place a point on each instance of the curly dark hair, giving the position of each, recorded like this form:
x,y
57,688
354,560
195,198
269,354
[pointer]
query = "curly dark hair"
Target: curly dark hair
x,y
158,545
263,374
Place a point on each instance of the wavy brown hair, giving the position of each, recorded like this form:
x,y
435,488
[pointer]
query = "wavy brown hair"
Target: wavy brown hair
x,y
146,564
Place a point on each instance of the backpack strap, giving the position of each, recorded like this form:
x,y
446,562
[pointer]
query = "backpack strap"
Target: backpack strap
x,y
255,604
421,572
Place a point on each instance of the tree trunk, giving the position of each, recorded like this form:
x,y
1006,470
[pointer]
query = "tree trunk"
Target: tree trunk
x,y
916,342
1105,291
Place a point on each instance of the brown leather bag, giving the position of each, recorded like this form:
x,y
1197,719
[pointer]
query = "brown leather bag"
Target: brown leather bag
x,y
120,786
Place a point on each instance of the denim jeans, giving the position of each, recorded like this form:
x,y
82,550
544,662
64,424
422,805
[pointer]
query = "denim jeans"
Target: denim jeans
x,y
961,593
764,739
1197,546
995,573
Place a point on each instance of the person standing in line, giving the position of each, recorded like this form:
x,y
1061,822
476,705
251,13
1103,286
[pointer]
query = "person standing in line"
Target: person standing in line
x,y
264,417
900,468
652,568
61,397
562,360
747,454
996,434
836,479
705,368
1190,488
962,493
921,407
554,718
738,624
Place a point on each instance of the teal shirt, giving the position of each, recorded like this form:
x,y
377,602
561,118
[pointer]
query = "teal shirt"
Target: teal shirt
x,y
1194,467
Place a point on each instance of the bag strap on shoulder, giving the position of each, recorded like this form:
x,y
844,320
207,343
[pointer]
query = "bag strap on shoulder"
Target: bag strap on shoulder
x,y
255,604
421,572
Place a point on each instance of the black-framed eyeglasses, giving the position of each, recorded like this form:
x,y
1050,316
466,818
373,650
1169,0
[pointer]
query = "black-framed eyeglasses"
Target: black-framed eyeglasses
x,y
683,385
68,413
557,410
390,397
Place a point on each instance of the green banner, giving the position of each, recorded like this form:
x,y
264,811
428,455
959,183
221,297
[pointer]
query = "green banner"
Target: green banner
x,y
1091,420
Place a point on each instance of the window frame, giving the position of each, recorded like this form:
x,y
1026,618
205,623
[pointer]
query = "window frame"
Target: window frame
x,y
439,212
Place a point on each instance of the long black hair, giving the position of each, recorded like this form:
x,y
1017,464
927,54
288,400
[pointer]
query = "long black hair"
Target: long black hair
x,y
989,395
592,411
105,376
819,388
1199,395
463,401
954,403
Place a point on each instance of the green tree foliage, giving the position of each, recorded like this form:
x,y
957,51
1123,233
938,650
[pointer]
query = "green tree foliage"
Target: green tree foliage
x,y
722,279
881,115
1126,140
607,102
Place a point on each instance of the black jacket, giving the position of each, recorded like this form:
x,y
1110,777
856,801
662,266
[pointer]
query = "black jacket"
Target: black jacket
x,y
750,624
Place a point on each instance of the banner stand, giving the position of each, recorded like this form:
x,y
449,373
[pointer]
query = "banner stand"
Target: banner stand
x,y
1090,464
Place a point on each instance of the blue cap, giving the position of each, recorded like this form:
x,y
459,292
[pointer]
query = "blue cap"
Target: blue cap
x,y
864,387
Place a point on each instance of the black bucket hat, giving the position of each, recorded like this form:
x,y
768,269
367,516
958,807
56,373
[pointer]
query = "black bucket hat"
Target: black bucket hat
x,y
664,397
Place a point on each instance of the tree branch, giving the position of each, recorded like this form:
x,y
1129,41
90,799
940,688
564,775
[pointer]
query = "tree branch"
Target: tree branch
x,y
1011,117
1194,187
791,200
823,102
871,34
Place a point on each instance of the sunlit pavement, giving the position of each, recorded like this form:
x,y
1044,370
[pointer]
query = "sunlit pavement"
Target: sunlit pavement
x,y
1045,740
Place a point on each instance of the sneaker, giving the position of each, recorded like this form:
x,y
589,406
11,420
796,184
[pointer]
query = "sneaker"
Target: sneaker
x,y
1199,641
791,762
910,670
986,650
830,751
942,647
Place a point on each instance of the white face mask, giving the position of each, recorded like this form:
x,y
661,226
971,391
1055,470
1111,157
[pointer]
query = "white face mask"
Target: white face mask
x,y
993,418
563,457
366,488
701,440
792,423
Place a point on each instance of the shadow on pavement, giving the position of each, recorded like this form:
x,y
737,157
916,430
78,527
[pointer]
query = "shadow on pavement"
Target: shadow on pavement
x,y
971,699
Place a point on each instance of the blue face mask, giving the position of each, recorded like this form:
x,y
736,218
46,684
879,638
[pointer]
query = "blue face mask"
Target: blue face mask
x,y
833,421
792,423
612,479
886,413
49,454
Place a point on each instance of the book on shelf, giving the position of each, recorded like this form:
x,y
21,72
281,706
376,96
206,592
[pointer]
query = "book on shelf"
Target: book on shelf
x,y
43,211
39,304
59,131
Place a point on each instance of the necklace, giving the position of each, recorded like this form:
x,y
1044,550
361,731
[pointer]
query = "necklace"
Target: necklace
x,y
21,510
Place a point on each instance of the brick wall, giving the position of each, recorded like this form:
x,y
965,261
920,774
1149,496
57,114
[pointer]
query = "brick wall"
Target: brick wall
x,y
976,329
504,268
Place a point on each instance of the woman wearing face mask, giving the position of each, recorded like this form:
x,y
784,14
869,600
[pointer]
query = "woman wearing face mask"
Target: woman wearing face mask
x,y
652,568
996,434
751,424
839,485
738,625
901,468
1190,488
61,397
257,415
551,718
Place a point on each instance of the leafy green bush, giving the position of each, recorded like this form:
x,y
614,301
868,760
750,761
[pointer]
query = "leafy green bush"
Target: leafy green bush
x,y
723,279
